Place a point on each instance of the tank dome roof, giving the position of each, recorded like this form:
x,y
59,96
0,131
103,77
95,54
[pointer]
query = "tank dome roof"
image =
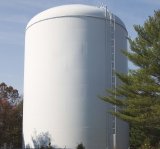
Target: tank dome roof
x,y
71,10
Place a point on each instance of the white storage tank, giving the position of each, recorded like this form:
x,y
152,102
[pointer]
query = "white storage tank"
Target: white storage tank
x,y
68,63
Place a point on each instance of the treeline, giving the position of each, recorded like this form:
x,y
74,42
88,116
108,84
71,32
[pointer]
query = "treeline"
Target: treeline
x,y
11,108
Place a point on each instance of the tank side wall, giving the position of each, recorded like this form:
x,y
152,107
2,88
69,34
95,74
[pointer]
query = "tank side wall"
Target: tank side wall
x,y
64,73
121,67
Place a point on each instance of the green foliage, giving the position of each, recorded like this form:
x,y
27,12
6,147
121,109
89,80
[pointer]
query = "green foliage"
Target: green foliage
x,y
140,89
147,145
137,136
80,146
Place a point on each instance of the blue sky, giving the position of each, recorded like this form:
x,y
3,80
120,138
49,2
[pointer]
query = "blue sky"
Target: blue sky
x,y
15,14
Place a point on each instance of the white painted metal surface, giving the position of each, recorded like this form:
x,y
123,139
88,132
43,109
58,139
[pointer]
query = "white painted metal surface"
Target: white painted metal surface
x,y
67,64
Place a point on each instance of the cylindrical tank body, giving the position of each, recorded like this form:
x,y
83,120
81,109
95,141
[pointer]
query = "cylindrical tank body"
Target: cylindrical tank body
x,y
67,65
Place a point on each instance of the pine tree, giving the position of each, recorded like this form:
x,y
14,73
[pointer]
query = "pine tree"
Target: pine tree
x,y
138,96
